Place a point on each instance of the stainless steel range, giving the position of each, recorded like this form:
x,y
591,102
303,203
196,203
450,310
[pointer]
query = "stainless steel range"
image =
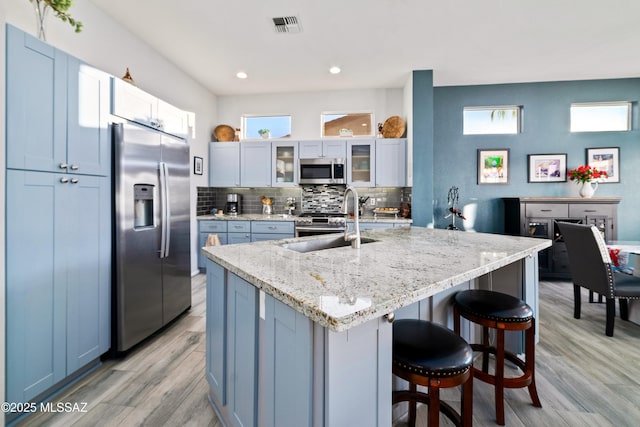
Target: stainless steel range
x,y
313,223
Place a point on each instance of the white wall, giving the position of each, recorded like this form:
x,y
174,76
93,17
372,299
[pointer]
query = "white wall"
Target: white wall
x,y
106,45
305,108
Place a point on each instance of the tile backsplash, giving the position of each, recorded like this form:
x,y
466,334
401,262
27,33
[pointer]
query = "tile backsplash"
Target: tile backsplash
x,y
310,198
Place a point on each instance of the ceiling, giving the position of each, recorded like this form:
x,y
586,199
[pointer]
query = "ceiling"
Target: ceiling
x,y
377,43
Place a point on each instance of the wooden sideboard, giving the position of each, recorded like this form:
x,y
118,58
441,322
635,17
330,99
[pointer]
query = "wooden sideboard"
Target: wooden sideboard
x,y
538,217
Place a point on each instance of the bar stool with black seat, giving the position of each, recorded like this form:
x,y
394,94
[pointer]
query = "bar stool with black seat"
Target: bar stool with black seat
x,y
502,312
430,355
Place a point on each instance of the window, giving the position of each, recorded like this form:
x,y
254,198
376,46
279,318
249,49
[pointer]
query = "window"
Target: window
x,y
491,120
347,124
276,126
600,116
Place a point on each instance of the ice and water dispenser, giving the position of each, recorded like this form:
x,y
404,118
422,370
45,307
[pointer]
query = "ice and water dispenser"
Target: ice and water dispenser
x,y
143,205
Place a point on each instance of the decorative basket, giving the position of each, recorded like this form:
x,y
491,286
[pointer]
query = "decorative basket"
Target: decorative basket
x,y
393,127
224,133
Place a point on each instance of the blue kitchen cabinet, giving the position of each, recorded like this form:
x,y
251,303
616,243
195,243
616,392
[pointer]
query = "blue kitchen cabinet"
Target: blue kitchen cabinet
x,y
88,106
242,346
36,103
334,149
216,335
310,149
364,226
284,170
271,230
255,164
36,292
86,231
288,366
224,164
58,308
58,113
391,162
58,213
232,346
361,162
205,228
238,232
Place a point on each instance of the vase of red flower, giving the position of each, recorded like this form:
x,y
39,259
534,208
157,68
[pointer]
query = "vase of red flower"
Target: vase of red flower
x,y
588,176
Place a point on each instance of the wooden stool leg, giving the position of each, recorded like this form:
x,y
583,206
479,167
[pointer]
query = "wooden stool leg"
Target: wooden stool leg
x,y
499,387
434,403
412,405
467,402
456,320
530,362
485,353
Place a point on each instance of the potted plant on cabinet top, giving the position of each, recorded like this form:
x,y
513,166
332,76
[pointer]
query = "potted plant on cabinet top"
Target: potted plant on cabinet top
x,y
265,133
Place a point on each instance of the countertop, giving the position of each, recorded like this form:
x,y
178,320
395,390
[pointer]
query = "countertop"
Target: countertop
x,y
343,287
285,217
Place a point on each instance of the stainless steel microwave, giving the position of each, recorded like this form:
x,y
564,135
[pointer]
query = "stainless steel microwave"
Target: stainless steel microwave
x,y
322,171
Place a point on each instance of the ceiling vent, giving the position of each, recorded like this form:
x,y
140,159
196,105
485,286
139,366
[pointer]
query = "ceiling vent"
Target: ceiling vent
x,y
287,24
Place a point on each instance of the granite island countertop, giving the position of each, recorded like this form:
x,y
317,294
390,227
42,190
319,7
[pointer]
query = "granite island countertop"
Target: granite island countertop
x,y
285,217
343,287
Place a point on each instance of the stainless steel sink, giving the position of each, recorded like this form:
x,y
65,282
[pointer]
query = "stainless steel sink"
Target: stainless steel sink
x,y
321,244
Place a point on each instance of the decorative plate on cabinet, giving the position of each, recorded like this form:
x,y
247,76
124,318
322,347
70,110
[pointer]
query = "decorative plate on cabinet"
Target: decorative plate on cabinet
x,y
393,127
224,133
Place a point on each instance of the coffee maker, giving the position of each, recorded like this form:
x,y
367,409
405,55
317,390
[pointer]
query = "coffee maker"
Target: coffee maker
x,y
233,204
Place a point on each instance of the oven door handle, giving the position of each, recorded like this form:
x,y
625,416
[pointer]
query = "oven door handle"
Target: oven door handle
x,y
336,229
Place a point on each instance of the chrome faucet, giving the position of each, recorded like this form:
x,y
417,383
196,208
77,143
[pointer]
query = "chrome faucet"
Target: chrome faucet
x,y
354,237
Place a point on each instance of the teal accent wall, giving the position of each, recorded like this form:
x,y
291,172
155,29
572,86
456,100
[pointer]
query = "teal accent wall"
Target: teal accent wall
x,y
545,130
423,148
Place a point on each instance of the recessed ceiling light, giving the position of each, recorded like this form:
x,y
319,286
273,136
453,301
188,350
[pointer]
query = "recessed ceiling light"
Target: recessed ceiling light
x,y
334,70
241,75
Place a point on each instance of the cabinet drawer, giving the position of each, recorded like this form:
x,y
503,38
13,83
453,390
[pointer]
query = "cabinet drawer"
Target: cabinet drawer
x,y
239,226
364,226
261,237
583,210
547,210
213,226
233,238
284,227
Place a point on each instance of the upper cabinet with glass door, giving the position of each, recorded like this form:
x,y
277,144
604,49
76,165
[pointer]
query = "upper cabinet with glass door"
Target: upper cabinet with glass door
x,y
284,171
361,162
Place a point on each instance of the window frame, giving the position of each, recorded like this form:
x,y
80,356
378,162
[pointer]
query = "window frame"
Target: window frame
x,y
490,108
245,117
371,114
628,104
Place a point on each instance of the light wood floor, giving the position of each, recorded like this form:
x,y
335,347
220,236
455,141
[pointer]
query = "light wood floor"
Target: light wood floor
x,y
584,378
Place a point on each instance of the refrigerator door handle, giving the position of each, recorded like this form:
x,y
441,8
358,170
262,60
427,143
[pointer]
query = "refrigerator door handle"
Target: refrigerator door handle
x,y
163,209
167,193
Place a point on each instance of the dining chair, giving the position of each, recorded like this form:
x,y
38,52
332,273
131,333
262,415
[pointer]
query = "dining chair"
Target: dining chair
x,y
591,268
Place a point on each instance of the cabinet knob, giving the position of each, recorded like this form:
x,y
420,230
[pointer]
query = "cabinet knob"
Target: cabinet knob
x,y
390,317
74,167
74,180
64,180
64,166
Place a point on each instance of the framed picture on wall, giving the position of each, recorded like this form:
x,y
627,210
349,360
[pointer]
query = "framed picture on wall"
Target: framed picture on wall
x,y
547,167
607,160
493,166
197,165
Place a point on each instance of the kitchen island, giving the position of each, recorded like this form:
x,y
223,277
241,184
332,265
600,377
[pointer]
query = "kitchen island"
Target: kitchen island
x,y
304,338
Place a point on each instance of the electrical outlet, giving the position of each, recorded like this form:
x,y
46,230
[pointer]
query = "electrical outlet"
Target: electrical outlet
x,y
372,201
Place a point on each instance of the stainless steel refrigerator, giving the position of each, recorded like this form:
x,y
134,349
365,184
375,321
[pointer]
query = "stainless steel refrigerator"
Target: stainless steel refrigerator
x,y
152,275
